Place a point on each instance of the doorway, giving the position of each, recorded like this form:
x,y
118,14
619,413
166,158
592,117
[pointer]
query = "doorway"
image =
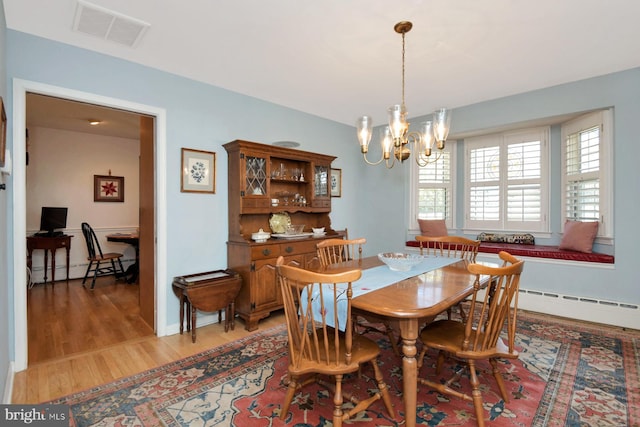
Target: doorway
x,y
159,294
68,143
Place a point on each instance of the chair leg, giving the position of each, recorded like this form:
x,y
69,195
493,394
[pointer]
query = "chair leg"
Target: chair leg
x,y
115,272
291,391
95,274
86,274
498,376
440,361
475,394
384,390
392,338
423,352
122,273
337,402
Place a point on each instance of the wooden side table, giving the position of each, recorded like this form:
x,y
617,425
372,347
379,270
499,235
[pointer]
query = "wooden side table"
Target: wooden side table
x,y
48,243
209,291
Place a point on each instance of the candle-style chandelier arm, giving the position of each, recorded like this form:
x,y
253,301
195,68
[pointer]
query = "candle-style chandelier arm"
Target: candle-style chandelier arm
x,y
365,132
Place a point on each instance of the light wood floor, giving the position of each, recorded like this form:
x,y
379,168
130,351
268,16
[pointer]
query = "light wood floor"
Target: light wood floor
x,y
79,339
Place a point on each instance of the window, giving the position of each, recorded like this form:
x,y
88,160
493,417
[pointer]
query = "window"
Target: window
x,y
433,188
586,151
507,187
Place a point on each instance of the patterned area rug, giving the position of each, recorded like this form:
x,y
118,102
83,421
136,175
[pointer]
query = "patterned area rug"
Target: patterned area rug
x,y
568,374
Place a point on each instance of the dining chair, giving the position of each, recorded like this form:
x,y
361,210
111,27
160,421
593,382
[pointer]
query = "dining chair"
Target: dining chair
x,y
321,338
479,337
335,251
450,247
97,257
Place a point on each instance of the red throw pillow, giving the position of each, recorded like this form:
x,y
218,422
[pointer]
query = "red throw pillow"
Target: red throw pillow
x,y
579,236
433,227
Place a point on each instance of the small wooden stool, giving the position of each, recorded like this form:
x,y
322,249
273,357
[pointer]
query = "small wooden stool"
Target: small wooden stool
x,y
209,291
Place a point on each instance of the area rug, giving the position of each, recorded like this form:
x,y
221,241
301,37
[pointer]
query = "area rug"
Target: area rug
x,y
568,374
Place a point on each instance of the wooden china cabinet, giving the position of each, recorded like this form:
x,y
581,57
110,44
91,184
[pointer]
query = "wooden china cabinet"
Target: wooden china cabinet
x,y
270,186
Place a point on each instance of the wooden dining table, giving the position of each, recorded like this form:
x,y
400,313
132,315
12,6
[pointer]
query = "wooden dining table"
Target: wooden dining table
x,y
408,303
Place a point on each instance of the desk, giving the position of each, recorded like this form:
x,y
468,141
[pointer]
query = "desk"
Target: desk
x,y
134,240
48,243
406,302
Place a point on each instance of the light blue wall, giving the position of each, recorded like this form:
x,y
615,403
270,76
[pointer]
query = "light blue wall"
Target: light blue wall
x,y
374,201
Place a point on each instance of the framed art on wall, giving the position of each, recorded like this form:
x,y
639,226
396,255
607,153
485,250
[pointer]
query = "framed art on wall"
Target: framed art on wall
x,y
336,182
198,171
107,188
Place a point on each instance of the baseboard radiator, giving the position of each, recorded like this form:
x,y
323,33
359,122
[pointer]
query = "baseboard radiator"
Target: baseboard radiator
x,y
581,308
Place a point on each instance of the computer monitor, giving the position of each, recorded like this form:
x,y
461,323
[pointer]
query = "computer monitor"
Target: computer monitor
x,y
53,219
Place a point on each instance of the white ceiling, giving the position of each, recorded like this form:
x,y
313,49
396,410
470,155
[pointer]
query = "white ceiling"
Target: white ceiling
x,y
340,59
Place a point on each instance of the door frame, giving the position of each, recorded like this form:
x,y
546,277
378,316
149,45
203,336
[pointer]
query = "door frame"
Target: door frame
x,y
20,89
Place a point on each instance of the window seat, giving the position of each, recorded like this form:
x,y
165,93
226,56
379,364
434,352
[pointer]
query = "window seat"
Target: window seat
x,y
537,251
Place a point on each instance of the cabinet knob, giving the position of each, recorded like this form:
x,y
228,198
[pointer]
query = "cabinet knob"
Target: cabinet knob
x,y
266,252
288,249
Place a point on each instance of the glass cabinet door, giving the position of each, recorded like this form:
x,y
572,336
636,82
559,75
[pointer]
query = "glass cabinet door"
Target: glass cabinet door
x,y
255,176
321,181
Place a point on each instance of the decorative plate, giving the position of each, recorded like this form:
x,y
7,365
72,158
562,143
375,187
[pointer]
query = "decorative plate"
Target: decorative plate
x,y
279,222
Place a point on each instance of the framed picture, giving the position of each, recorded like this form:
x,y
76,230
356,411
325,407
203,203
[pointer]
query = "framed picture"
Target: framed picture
x,y
107,188
198,171
336,182
3,133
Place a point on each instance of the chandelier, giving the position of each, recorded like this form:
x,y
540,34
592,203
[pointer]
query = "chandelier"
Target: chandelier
x,y
396,137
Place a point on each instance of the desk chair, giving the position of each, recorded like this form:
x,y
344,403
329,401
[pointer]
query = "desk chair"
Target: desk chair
x,y
479,336
96,256
316,348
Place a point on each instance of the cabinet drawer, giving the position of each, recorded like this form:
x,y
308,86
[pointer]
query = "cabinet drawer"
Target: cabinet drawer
x,y
297,248
265,252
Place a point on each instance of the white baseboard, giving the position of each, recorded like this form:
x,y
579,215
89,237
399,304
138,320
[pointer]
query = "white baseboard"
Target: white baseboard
x,y
592,310
202,320
8,386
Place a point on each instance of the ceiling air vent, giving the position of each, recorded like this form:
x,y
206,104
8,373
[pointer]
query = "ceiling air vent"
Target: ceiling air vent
x,y
107,24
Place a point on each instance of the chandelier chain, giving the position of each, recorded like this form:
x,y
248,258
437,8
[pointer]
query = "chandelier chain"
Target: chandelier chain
x,y
403,104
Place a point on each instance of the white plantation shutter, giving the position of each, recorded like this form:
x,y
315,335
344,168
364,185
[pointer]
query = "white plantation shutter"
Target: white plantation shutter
x,y
585,170
432,188
507,185
484,173
524,173
435,189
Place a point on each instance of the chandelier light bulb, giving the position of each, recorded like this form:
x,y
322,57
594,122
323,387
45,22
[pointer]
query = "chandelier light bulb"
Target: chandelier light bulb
x,y
365,130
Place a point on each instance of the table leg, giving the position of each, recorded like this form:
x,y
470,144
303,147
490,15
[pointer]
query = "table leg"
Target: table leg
x,y
68,250
193,323
182,302
30,259
53,266
46,264
409,334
